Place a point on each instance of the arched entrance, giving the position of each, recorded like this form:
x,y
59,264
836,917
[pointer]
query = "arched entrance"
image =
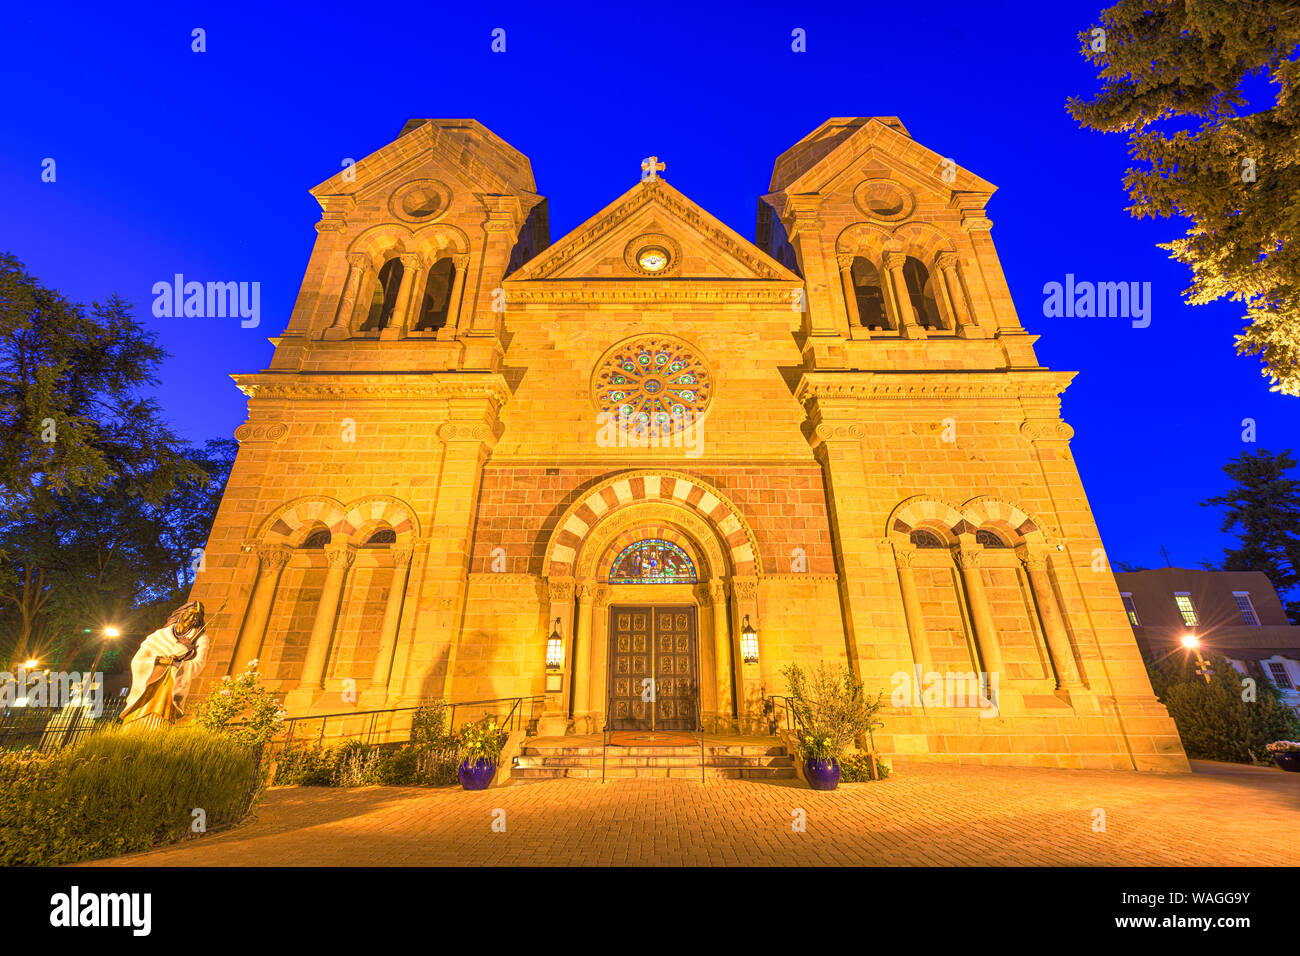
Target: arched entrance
x,y
652,559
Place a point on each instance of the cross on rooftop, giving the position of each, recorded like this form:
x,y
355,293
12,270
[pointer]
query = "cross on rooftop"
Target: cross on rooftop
x,y
650,166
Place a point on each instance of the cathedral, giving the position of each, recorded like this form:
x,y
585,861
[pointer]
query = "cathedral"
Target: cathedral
x,y
485,465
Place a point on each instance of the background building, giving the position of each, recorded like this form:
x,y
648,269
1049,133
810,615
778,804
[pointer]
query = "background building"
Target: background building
x,y
652,435
1233,613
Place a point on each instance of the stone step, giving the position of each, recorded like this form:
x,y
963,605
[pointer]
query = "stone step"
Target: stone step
x,y
774,750
676,773
566,760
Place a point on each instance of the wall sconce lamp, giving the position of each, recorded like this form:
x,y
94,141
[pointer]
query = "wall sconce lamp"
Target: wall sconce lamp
x,y
749,643
554,659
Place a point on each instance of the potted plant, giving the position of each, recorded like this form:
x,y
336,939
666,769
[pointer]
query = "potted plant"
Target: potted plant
x,y
480,752
1286,754
831,712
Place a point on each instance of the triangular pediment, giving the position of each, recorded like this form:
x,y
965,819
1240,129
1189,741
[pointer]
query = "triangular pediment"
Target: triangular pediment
x,y
464,151
699,245
839,152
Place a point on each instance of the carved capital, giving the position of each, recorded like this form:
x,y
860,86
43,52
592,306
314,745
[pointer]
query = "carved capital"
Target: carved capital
x,y
402,558
586,592
844,260
718,592
1032,558
968,559
947,261
359,261
464,431
561,591
273,559
1045,429
410,261
461,262
340,559
603,596
904,554
894,260
746,591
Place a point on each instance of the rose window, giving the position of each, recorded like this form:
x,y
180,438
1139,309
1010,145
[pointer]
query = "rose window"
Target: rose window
x,y
653,379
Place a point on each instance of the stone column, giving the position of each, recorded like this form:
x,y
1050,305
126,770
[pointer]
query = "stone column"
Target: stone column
x,y
903,555
986,636
582,657
749,677
392,618
358,264
1049,614
845,262
400,320
322,629
461,264
954,294
555,714
248,646
907,324
722,650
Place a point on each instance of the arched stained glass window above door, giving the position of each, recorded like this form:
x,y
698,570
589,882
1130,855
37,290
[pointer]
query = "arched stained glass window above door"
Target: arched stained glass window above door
x,y
652,561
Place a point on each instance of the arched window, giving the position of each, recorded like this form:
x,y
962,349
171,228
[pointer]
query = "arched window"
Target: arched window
x,y
869,294
652,561
926,539
381,538
921,292
437,297
988,539
316,540
385,297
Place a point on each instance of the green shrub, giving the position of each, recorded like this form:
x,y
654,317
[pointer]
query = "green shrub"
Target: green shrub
x,y
309,765
242,707
121,791
398,768
355,764
438,764
856,768
1215,720
831,710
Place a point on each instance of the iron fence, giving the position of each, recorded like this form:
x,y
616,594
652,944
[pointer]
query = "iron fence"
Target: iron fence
x,y
51,728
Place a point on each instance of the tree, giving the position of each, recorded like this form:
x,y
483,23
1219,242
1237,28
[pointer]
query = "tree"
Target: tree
x,y
69,402
86,464
1223,719
1164,66
109,557
1264,509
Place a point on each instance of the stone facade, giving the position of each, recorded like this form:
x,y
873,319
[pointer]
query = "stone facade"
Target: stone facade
x,y
859,455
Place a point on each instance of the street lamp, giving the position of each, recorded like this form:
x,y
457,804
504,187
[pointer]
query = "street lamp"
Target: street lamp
x,y
110,633
1193,643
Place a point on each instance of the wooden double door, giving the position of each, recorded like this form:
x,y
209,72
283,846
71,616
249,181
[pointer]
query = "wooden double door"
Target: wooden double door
x,y
654,667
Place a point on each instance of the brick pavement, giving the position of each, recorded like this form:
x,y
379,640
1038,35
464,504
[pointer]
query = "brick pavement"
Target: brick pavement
x,y
924,815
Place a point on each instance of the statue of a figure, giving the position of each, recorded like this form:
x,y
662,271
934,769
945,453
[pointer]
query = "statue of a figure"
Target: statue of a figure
x,y
162,669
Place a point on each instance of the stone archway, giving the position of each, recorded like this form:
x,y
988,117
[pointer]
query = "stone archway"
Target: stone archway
x,y
580,555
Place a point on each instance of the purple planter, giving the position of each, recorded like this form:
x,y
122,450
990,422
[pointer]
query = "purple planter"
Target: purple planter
x,y
822,774
1288,760
476,776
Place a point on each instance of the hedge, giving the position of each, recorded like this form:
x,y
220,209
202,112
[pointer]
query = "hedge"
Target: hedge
x,y
122,791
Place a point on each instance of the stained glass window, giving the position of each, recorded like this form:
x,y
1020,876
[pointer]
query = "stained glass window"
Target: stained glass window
x,y
653,379
652,561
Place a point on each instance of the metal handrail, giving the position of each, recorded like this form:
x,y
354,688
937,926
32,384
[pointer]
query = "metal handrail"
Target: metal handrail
x,y
699,724
514,713
793,722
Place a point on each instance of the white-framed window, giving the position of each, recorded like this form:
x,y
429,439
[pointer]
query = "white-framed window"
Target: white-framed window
x,y
1130,608
1184,601
1277,673
1248,615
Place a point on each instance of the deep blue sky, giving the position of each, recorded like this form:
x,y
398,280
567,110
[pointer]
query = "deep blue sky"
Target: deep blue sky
x,y
171,161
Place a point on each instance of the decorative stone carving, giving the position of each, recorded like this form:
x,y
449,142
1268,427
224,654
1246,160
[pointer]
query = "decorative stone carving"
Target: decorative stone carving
x,y
340,558
422,200
1036,430
561,592
459,432
269,432
273,559
402,558
884,200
